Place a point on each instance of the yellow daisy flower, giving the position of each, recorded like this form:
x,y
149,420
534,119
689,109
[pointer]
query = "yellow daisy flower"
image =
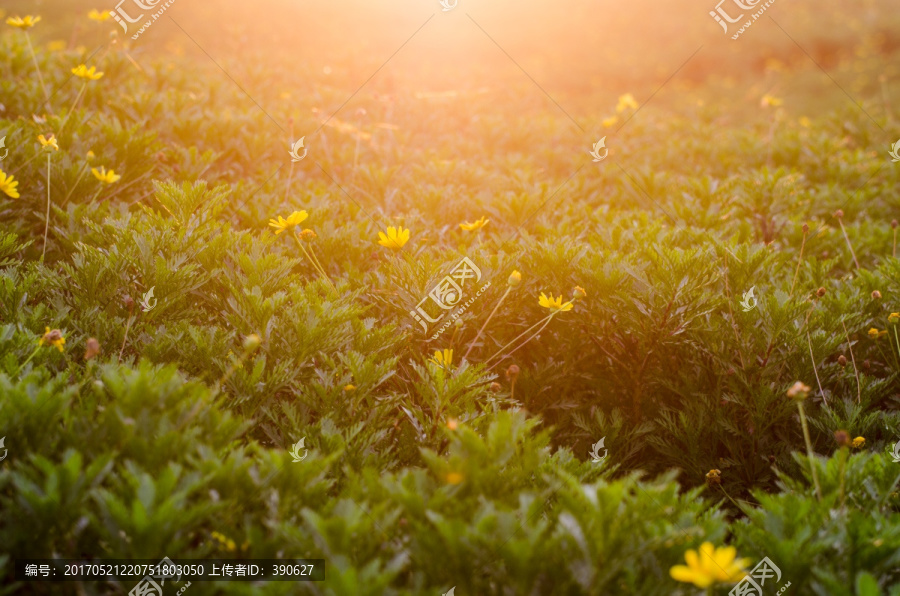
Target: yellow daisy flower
x,y
395,238
770,101
454,478
96,15
103,176
610,122
294,219
53,338
554,304
625,102
893,318
48,143
23,23
8,185
710,566
84,72
858,442
444,358
875,333
478,223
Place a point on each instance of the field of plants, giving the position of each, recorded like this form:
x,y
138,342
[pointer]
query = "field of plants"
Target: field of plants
x,y
496,298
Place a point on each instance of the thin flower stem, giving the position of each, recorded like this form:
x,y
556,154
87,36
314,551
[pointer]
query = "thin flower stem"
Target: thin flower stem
x,y
33,354
847,238
519,336
894,252
853,359
72,109
809,450
47,224
321,268
287,189
502,298
315,263
799,262
897,341
77,182
546,322
815,367
38,69
99,190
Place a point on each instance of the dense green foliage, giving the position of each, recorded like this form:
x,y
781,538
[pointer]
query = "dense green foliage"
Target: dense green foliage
x,y
421,477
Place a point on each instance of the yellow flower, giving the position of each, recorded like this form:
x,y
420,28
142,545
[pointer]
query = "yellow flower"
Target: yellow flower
x,y
478,223
84,72
610,122
444,358
554,304
8,185
578,293
48,143
56,45
894,318
396,237
625,102
307,235
858,442
452,423
711,565
27,23
96,15
349,388
294,219
53,338
805,122
103,176
875,333
769,100
515,278
454,478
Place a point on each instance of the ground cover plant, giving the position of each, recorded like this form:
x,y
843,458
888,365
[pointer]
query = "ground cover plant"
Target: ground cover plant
x,y
453,310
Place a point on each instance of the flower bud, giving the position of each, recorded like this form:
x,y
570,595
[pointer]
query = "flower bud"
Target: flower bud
x,y
251,342
842,438
578,293
713,478
515,278
839,213
805,228
820,292
92,348
876,295
128,301
894,223
798,391
842,361
495,387
512,373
